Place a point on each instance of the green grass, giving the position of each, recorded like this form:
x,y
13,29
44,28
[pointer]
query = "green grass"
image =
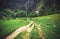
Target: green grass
x,y
34,33
20,36
8,26
49,21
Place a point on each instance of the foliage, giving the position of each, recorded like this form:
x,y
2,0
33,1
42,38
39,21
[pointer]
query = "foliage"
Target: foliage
x,y
23,13
20,13
7,14
32,14
48,11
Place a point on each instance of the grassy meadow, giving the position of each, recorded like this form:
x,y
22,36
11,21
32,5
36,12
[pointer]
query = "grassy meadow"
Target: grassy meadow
x,y
8,26
50,25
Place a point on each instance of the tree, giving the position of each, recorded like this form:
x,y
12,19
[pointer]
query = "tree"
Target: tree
x,y
8,14
20,13
32,14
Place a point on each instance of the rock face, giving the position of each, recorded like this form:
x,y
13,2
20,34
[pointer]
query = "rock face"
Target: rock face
x,y
26,4
17,4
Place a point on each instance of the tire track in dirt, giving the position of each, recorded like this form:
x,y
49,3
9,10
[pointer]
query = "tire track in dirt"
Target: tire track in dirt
x,y
27,35
40,32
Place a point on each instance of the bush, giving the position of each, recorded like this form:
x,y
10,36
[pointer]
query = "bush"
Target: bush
x,y
7,14
20,13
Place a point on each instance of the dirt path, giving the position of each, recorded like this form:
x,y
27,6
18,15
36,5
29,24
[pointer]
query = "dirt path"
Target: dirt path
x,y
40,32
17,31
27,35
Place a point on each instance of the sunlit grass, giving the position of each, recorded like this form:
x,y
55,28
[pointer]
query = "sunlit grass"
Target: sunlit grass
x,y
51,23
8,26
